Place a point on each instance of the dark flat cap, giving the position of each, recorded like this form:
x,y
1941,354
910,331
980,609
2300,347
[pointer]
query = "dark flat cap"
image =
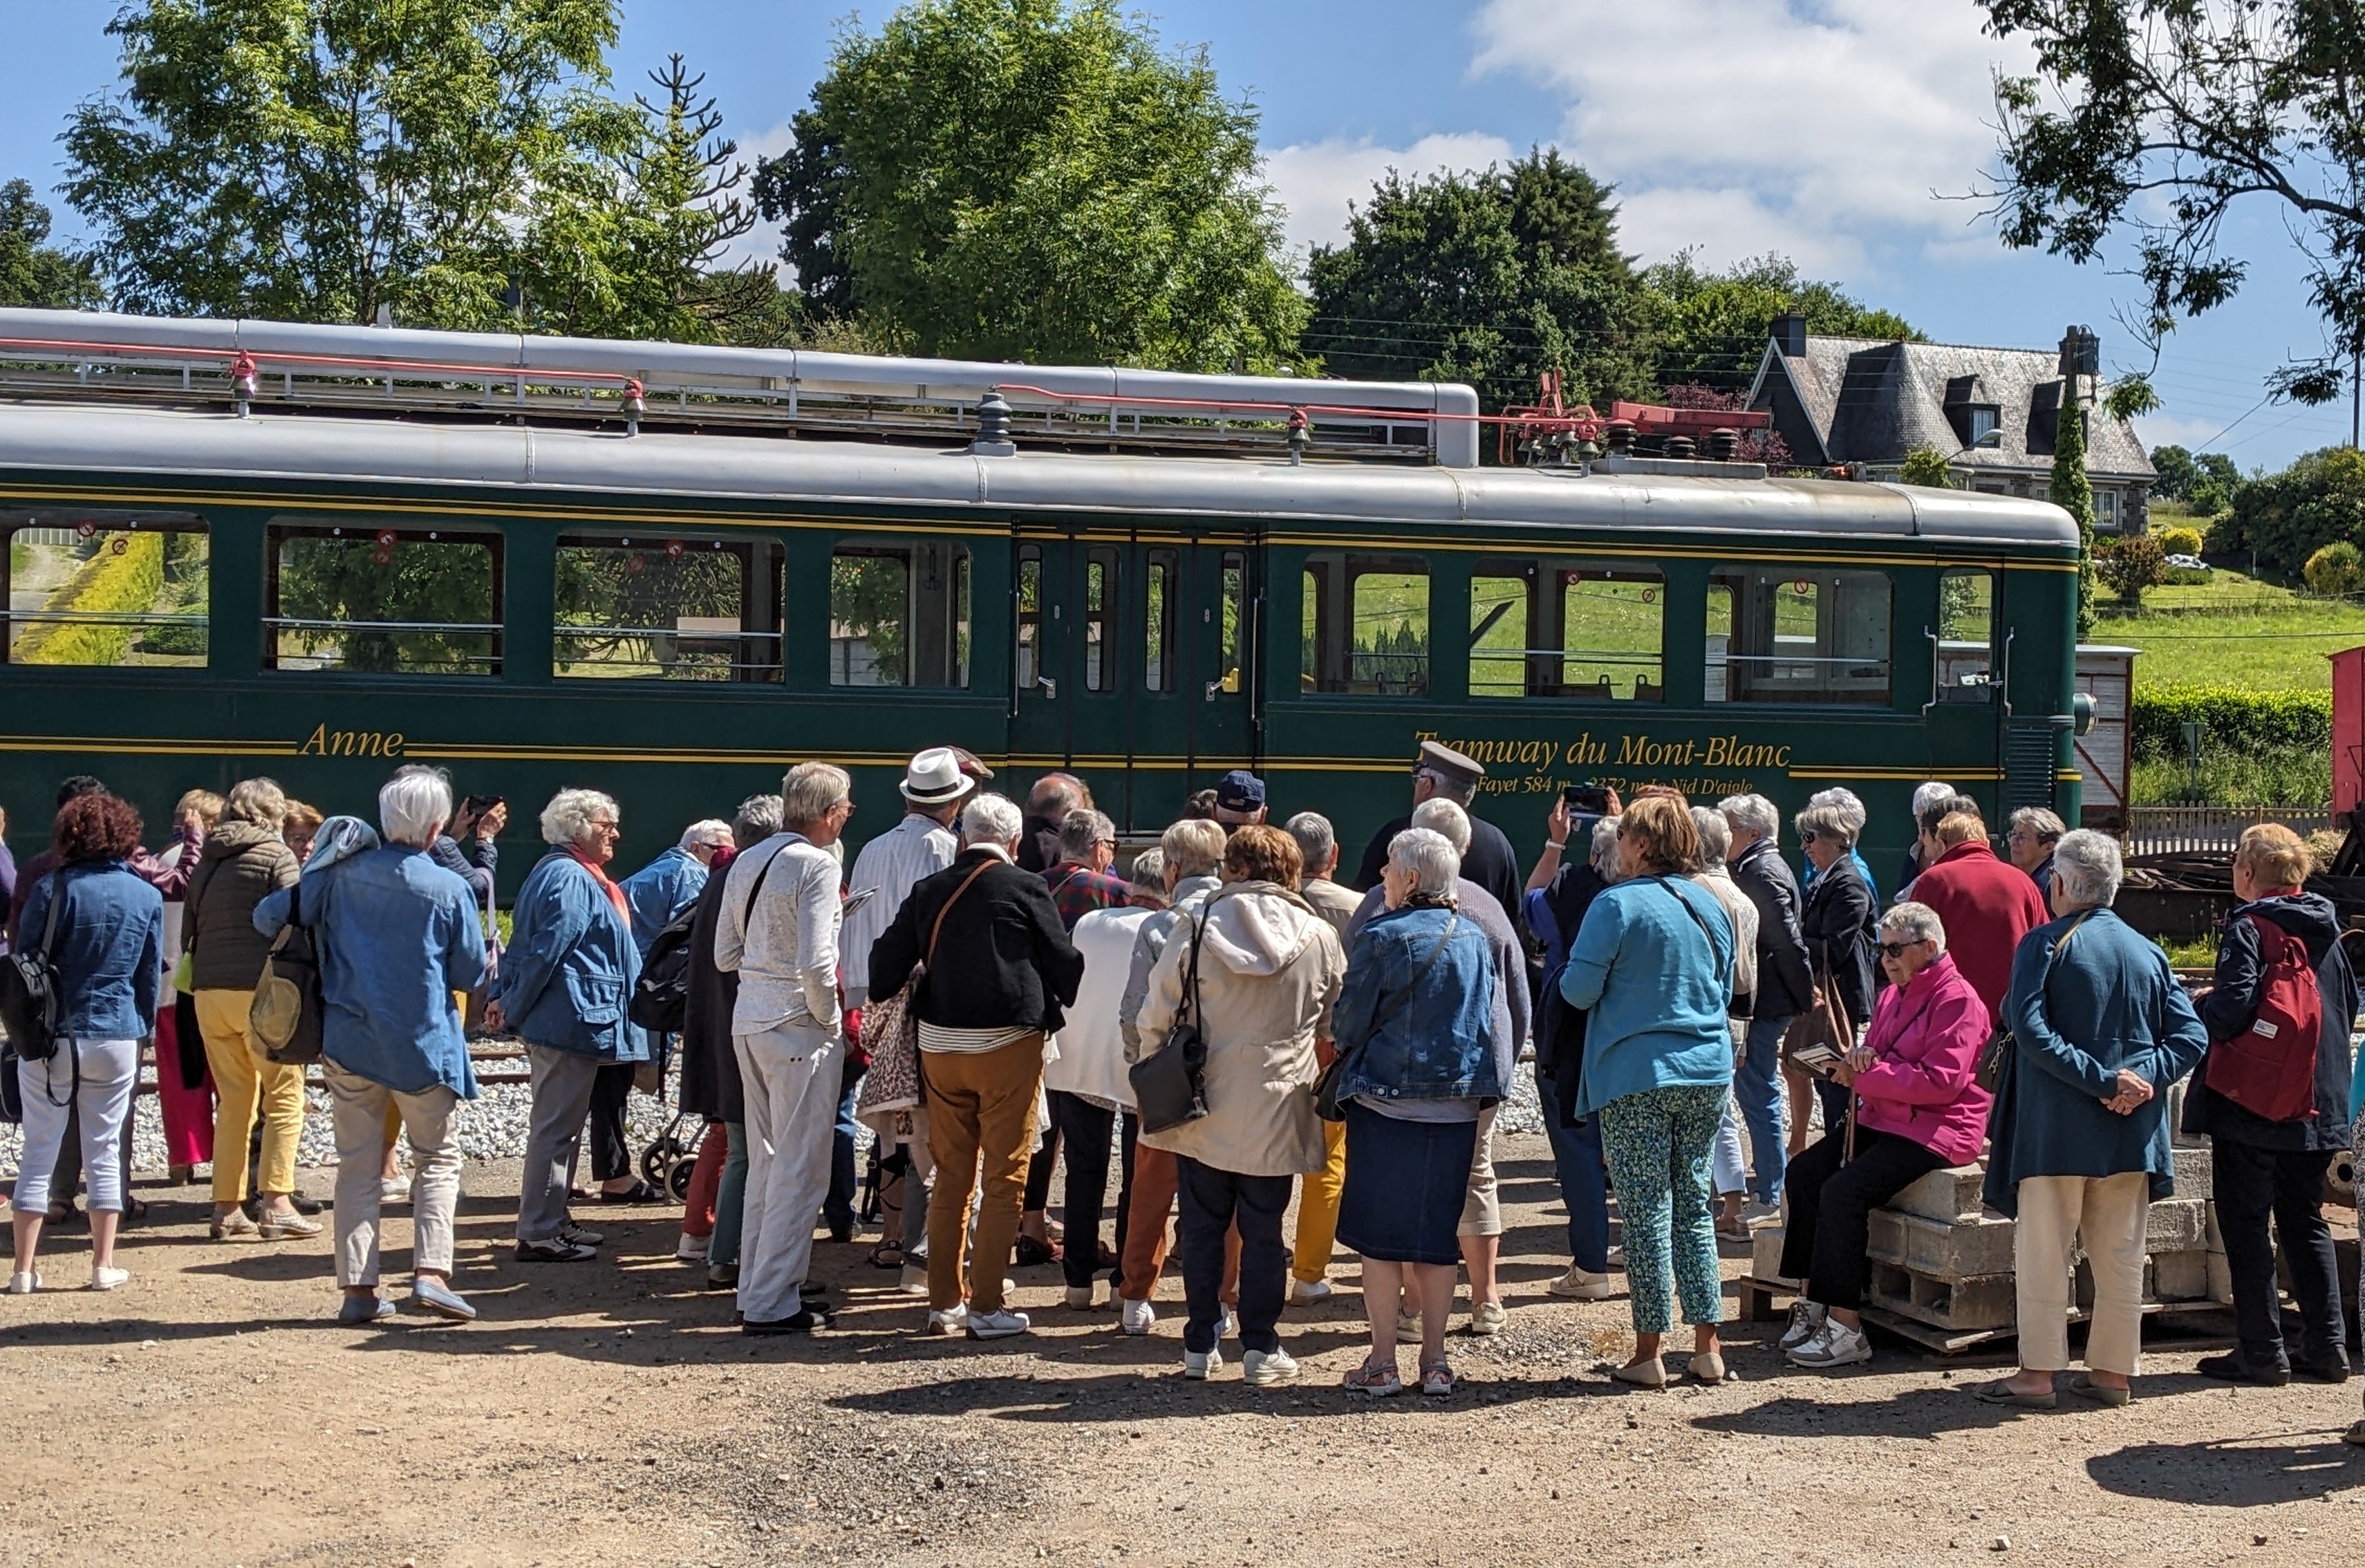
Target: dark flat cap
x,y
1449,763
969,764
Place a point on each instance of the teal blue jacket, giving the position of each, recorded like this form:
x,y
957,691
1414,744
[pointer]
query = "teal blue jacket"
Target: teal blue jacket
x,y
1654,987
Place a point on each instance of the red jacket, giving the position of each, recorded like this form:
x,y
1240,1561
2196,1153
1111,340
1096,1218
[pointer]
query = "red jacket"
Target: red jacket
x,y
1987,906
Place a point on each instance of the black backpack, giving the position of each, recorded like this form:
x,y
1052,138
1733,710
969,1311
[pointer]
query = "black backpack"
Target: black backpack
x,y
661,996
32,999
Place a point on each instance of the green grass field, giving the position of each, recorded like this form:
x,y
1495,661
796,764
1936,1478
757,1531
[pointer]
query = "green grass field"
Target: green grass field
x,y
2234,629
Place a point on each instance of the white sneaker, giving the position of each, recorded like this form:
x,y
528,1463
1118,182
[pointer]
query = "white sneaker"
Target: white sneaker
x,y
1753,1213
1488,1317
394,1190
1807,1319
1407,1328
1262,1369
999,1325
1837,1346
1228,1326
951,1321
1200,1365
691,1249
1306,1293
1080,1298
103,1279
1135,1316
1579,1285
913,1279
24,1284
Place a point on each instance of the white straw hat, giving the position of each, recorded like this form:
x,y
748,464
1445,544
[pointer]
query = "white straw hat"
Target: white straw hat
x,y
934,777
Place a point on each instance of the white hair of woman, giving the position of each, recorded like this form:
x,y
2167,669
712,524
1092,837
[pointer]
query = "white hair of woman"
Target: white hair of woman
x,y
810,791
1751,813
712,830
565,819
1604,857
1829,819
993,819
2087,869
1928,795
1442,816
1915,923
1845,803
411,807
1716,838
1427,857
759,818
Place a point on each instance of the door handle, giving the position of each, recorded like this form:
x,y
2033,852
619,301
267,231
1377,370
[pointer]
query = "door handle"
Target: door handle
x,y
1215,689
1050,687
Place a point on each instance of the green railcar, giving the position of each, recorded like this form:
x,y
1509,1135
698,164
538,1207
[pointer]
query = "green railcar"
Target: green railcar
x,y
238,548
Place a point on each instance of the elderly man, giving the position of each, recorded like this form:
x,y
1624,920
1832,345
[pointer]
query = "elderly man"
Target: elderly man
x,y
1048,805
1442,773
2033,833
661,890
1985,905
1080,881
778,931
1239,799
1317,1192
1785,989
1000,974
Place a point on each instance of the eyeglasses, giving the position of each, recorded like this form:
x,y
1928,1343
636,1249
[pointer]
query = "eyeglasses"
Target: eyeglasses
x,y
1897,949
1807,835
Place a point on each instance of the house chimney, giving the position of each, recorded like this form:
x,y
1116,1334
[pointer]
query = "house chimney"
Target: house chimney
x,y
1790,331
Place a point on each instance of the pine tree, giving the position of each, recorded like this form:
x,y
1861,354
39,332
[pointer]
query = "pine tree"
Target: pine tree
x,y
2072,493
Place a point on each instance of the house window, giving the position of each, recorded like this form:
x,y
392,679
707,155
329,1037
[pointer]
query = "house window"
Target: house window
x,y
1366,624
2106,511
80,587
1566,629
1984,418
1797,634
372,598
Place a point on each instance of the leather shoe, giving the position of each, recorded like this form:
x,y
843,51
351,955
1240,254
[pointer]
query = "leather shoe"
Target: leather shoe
x,y
2336,1370
2232,1368
804,1320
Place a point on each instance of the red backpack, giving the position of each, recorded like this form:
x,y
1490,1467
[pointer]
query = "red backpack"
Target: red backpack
x,y
2268,1068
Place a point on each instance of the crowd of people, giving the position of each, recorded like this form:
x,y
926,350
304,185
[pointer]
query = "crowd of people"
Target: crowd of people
x,y
1217,1030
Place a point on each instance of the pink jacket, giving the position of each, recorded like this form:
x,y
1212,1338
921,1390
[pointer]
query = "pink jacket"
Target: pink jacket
x,y
1927,1034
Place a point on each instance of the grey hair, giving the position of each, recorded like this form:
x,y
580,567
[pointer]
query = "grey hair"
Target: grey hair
x,y
1928,795
810,791
1194,846
258,800
2046,825
1829,819
1603,854
993,819
1916,923
1847,804
412,807
1148,875
566,819
1716,838
711,830
1316,839
1752,813
1429,857
759,818
1443,786
1441,815
1083,828
2087,869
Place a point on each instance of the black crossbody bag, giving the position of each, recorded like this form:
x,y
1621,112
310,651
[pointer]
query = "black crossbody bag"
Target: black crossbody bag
x,y
1169,1085
32,999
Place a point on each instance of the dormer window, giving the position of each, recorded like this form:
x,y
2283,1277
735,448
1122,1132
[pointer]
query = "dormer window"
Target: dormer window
x,y
1984,420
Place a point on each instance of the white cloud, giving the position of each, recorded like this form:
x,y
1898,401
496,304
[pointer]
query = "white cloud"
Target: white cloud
x,y
1316,181
761,244
1814,127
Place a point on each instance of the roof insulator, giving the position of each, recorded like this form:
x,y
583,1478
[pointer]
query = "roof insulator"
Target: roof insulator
x,y
1681,446
1297,437
245,382
1725,444
994,428
1622,438
637,406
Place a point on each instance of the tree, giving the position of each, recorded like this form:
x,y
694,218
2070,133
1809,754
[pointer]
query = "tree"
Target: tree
x,y
1491,278
1034,180
2337,568
2283,519
2133,564
1711,327
2160,117
1927,466
2071,492
2178,473
33,272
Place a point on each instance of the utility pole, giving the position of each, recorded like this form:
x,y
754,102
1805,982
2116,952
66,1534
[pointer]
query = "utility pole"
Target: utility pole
x,y
2356,395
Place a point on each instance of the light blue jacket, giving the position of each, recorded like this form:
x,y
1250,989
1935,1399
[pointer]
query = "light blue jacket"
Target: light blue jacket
x,y
661,890
397,934
1436,1043
567,973
111,936
1653,989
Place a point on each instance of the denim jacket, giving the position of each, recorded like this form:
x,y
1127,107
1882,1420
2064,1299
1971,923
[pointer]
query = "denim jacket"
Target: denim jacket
x,y
109,948
1436,1043
567,973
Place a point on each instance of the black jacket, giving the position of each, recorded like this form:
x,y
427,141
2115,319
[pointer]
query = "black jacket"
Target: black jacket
x,y
1838,925
1004,958
2233,1004
710,1065
1785,987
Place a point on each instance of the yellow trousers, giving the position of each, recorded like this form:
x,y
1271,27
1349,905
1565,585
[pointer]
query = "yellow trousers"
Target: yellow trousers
x,y
250,1084
1318,1206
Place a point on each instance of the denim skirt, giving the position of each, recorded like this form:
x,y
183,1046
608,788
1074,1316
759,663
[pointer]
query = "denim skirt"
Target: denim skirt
x,y
1406,1185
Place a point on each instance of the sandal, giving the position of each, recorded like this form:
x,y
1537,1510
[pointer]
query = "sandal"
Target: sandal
x,y
1379,1382
2001,1392
1033,1252
638,1193
1437,1379
888,1254
2355,1436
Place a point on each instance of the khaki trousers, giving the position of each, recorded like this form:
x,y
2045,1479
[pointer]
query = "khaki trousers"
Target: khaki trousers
x,y
2106,1215
981,1109
250,1084
358,1109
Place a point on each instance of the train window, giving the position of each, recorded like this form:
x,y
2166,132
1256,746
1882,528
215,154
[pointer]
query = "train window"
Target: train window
x,y
1235,595
1966,635
103,588
1029,616
371,597
1100,619
1566,629
667,609
1797,634
1365,627
1158,623
899,615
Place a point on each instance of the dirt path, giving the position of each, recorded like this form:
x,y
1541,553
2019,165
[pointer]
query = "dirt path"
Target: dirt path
x,y
210,1414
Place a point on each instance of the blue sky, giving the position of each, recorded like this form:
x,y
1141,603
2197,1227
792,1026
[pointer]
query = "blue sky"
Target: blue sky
x,y
1827,129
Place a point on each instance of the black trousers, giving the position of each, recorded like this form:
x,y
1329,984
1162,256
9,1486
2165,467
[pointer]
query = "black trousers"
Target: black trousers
x,y
1212,1201
1038,1170
1084,1131
1831,1204
2249,1183
612,1154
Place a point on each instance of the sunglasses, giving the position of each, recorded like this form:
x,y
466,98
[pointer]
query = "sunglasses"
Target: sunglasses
x,y
1896,949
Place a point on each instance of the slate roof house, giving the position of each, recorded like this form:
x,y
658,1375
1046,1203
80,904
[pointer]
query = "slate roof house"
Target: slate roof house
x,y
1859,400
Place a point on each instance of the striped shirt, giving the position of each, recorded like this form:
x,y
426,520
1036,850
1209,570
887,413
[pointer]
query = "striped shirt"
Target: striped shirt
x,y
912,850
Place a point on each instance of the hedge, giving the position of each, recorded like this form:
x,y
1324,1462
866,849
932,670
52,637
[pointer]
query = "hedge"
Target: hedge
x,y
107,584
2232,719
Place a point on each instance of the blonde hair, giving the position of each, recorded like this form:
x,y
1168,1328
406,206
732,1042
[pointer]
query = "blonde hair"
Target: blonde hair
x,y
204,804
1958,827
257,800
2273,853
1194,846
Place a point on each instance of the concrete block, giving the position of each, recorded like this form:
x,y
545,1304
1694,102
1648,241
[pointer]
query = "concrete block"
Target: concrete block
x,y
2175,1224
1960,1250
1958,1304
2181,1276
1765,1255
1943,1195
2221,1278
2192,1168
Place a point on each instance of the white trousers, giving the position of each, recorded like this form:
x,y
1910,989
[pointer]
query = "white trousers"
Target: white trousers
x,y
2106,1215
109,1070
788,1077
357,1109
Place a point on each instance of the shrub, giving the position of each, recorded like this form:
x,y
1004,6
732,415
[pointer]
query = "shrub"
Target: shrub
x,y
2133,564
1926,466
2337,568
106,583
2232,719
2180,540
2190,576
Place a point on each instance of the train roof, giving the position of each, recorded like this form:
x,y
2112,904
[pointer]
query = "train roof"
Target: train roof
x,y
736,469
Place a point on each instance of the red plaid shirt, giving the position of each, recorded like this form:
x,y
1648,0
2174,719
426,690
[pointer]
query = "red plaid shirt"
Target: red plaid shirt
x,y
1078,890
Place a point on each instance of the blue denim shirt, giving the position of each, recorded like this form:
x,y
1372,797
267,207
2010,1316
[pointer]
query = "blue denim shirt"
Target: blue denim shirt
x,y
661,890
397,934
1653,990
110,948
1436,1043
568,970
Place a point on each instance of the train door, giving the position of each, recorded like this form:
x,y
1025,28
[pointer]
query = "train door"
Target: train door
x,y
1221,655
1967,715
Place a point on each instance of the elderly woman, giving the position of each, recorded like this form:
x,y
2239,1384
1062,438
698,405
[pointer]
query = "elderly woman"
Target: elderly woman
x,y
398,936
104,930
1258,971
1415,1023
1918,1110
2080,1137
1652,964
243,862
566,977
2034,832
1836,922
